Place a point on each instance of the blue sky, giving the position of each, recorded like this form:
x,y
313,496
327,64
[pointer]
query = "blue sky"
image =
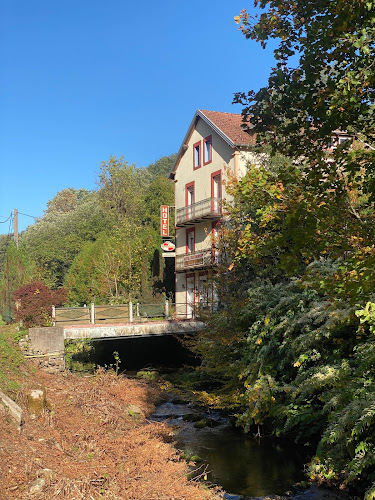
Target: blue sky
x,y
84,79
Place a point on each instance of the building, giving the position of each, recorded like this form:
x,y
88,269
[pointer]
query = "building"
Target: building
x,y
216,145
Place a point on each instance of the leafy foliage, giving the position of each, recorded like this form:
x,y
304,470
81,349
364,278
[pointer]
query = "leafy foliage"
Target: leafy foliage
x,y
18,269
53,241
287,348
102,245
34,303
323,79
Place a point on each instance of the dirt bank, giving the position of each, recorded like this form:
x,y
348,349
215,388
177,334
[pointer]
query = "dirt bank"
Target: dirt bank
x,y
93,441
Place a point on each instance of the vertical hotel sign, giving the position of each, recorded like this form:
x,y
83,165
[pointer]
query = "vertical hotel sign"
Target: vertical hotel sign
x,y
164,220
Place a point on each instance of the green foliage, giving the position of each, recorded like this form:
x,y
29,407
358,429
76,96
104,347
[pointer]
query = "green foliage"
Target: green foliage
x,y
287,348
102,246
54,241
11,358
111,269
121,189
322,81
18,269
300,249
79,356
66,200
161,168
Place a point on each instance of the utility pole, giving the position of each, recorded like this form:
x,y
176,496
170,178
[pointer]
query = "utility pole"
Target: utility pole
x,y
15,225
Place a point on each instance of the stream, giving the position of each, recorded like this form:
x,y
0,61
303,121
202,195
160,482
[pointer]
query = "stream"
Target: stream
x,y
244,466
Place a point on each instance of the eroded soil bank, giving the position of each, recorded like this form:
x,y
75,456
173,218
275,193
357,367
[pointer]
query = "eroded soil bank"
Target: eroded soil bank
x,y
93,441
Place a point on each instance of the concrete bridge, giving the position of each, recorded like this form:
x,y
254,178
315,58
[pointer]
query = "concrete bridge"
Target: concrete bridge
x,y
50,341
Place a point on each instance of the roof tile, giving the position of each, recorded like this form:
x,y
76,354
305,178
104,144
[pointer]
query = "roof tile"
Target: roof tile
x,y
230,125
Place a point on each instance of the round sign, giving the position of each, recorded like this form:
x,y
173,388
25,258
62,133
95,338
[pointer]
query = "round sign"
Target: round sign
x,y
168,246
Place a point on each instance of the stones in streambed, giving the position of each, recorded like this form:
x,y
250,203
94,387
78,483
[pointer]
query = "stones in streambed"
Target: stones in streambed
x,y
190,457
178,401
206,422
192,417
148,374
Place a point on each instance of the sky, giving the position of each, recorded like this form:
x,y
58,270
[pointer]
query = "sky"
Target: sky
x,y
85,79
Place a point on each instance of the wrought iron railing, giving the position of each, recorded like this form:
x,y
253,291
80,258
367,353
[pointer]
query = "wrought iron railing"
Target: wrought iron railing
x,y
204,209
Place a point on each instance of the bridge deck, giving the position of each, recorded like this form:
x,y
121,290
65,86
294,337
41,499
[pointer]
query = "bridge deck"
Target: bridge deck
x,y
51,339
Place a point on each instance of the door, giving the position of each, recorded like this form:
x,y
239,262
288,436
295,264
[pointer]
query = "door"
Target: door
x,y
203,292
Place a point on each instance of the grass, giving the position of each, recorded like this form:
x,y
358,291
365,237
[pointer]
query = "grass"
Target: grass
x,y
11,360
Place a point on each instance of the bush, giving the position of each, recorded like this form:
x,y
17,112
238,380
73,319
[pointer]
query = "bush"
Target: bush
x,y
34,303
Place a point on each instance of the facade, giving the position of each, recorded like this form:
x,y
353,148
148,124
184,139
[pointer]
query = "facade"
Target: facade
x,y
216,145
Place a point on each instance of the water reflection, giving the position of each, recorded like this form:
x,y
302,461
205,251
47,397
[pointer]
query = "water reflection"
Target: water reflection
x,y
245,465
242,465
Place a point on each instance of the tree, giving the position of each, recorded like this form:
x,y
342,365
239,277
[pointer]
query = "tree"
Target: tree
x,y
160,192
66,200
18,270
34,303
55,239
161,167
308,362
121,189
323,80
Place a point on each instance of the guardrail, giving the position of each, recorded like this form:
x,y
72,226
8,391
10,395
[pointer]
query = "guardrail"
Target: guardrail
x,y
204,209
127,313
101,314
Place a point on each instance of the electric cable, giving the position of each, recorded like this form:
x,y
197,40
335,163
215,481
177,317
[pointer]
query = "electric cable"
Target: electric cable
x,y
4,221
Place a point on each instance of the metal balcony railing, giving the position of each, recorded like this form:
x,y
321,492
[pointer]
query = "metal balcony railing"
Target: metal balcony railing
x,y
209,208
195,260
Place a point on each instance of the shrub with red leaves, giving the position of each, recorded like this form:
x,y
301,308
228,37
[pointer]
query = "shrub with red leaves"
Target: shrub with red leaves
x,y
34,303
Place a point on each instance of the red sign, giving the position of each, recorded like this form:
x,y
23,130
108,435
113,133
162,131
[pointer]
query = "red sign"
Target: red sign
x,y
164,216
168,246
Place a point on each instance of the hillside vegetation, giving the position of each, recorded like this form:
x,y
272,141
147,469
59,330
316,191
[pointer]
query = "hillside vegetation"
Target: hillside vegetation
x,y
101,246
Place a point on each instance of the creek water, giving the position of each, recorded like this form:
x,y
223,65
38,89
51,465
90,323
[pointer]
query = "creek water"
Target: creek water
x,y
241,464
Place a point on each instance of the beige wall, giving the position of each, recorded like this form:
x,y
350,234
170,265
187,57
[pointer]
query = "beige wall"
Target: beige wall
x,y
224,158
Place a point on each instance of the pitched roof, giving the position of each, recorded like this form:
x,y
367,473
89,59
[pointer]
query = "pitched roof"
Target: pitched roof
x,y
231,125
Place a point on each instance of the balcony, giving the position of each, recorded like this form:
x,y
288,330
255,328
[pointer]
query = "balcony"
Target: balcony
x,y
196,260
209,208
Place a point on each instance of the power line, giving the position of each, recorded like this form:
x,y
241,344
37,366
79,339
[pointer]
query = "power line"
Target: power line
x,y
27,215
4,221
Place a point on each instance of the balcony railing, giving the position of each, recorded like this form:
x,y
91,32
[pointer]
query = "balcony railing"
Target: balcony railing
x,y
209,208
196,260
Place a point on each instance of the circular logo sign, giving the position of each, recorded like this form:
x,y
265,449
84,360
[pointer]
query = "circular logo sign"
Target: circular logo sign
x,y
168,246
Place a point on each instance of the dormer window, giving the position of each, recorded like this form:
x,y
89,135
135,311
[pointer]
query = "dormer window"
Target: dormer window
x,y
207,150
197,155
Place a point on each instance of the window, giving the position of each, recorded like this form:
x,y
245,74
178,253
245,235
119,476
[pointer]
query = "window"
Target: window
x,y
189,200
197,155
190,240
216,191
207,150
